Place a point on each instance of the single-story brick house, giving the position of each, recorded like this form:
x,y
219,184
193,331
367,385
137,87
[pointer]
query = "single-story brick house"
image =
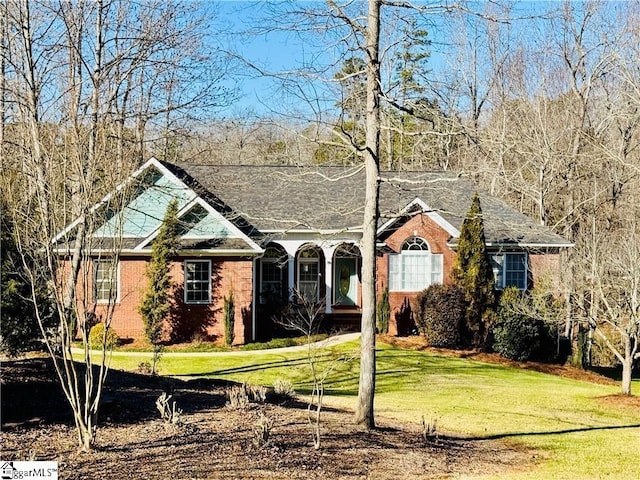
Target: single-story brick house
x,y
262,231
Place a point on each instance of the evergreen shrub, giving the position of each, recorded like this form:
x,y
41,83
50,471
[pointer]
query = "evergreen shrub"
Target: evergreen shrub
x,y
229,319
96,336
383,312
472,272
440,313
516,334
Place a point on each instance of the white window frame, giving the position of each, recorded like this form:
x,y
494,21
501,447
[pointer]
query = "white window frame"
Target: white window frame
x,y
114,295
499,266
431,267
187,282
309,261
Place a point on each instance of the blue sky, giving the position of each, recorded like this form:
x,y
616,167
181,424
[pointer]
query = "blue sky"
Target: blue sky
x,y
273,52
278,51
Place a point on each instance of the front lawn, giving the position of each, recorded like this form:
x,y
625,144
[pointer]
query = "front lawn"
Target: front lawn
x,y
578,429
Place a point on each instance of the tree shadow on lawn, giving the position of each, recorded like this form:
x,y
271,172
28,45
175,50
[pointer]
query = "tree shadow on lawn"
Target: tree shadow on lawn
x,y
31,395
499,436
295,362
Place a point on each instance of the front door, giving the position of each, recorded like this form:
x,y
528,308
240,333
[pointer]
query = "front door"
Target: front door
x,y
345,281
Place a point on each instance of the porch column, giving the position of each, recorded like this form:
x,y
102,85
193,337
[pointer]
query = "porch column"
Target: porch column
x,y
328,276
254,294
291,275
291,247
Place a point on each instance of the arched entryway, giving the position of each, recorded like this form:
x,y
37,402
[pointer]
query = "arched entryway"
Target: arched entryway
x,y
346,275
310,273
272,290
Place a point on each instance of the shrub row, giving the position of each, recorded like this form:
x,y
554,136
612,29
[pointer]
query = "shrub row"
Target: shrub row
x,y
516,329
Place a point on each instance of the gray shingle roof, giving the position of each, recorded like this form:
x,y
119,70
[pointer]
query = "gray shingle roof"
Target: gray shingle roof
x,y
331,198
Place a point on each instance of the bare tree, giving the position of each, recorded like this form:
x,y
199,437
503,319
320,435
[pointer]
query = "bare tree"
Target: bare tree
x,y
367,383
305,317
614,314
76,89
560,139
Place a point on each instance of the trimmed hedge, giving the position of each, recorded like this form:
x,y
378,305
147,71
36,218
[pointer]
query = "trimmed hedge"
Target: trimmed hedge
x,y
96,335
440,311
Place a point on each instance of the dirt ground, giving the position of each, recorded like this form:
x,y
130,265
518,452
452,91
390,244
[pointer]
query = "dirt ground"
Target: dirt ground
x,y
216,441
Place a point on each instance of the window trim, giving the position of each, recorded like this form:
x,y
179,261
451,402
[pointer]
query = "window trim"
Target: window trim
x,y
405,252
116,298
186,291
301,260
503,270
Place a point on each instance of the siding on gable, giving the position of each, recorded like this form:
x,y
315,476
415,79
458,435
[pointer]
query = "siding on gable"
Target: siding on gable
x,y
144,213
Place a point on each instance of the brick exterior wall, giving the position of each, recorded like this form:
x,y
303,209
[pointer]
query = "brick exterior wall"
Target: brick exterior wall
x,y
421,225
230,273
545,267
186,319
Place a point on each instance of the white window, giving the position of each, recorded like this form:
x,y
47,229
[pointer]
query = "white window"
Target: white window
x,y
415,267
105,281
308,274
197,281
510,269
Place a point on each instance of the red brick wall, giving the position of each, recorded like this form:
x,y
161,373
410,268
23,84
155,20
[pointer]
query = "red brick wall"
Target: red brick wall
x,y
545,268
227,274
424,227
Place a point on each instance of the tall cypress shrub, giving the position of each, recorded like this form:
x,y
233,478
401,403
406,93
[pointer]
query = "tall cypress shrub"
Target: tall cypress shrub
x,y
229,317
156,302
473,274
383,312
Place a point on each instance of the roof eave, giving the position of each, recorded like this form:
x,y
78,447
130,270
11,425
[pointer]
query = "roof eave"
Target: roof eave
x,y
320,231
521,244
182,253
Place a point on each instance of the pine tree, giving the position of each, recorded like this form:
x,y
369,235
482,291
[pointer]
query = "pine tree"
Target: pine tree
x,y
156,303
473,274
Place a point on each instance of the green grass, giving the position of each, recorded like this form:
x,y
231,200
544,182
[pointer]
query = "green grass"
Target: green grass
x,y
573,431
282,342
204,347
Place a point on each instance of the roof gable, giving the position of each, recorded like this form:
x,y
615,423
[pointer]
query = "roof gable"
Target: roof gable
x,y
143,214
417,205
138,222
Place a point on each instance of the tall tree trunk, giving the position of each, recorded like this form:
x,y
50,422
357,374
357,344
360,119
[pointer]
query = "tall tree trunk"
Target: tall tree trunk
x,y
627,369
3,68
366,389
